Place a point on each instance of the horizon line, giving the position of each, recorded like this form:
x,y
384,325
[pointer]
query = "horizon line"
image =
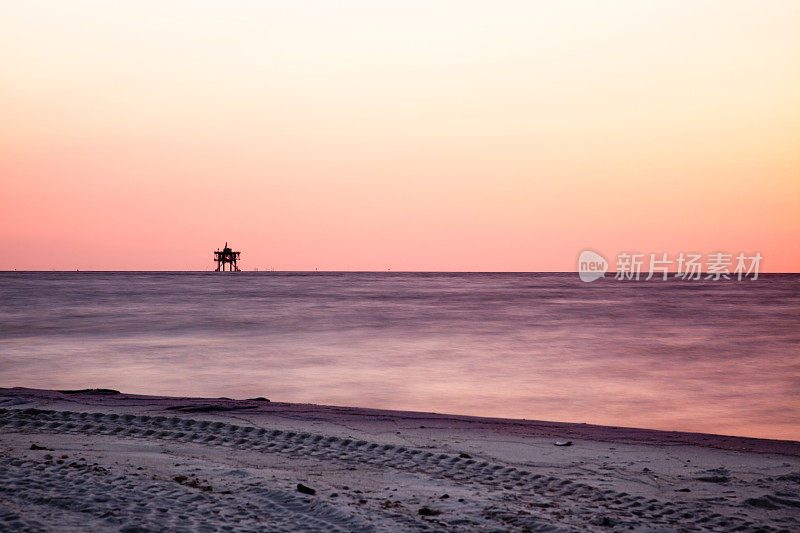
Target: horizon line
x,y
609,273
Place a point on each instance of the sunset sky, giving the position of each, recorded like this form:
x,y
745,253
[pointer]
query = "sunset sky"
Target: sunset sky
x,y
411,135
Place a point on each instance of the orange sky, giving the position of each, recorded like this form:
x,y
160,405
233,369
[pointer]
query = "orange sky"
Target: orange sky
x,y
429,135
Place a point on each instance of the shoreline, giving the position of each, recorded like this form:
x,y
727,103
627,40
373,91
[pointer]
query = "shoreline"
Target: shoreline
x,y
109,461
520,427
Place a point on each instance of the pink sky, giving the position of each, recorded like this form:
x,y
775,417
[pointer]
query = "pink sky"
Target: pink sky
x,y
404,135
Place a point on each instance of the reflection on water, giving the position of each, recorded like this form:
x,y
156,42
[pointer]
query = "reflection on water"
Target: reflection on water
x,y
720,357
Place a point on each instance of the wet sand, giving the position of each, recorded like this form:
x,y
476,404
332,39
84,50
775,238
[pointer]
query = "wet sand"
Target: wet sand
x,y
109,461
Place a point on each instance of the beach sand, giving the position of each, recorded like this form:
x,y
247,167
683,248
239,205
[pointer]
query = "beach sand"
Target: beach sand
x,y
105,461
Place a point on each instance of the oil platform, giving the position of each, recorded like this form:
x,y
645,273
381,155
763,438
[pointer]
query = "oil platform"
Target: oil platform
x,y
226,256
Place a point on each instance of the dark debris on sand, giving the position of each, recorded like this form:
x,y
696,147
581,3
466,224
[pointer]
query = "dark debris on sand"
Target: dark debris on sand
x,y
93,392
305,490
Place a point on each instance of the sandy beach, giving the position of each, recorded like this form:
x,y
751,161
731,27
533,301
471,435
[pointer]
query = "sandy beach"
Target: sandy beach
x,y
103,460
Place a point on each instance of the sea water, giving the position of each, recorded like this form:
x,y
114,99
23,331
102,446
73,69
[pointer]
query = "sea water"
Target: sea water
x,y
710,356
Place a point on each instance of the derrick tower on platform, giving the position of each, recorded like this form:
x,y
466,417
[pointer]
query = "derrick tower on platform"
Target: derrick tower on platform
x,y
226,256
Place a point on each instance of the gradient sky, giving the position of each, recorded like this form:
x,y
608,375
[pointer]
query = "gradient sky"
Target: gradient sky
x,y
415,135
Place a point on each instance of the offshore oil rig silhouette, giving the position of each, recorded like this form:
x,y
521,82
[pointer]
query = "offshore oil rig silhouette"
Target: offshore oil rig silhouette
x,y
226,256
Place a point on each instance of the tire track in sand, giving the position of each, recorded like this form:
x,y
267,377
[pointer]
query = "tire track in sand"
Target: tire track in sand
x,y
585,500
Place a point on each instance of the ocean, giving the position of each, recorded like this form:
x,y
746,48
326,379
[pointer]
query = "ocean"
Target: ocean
x,y
707,356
